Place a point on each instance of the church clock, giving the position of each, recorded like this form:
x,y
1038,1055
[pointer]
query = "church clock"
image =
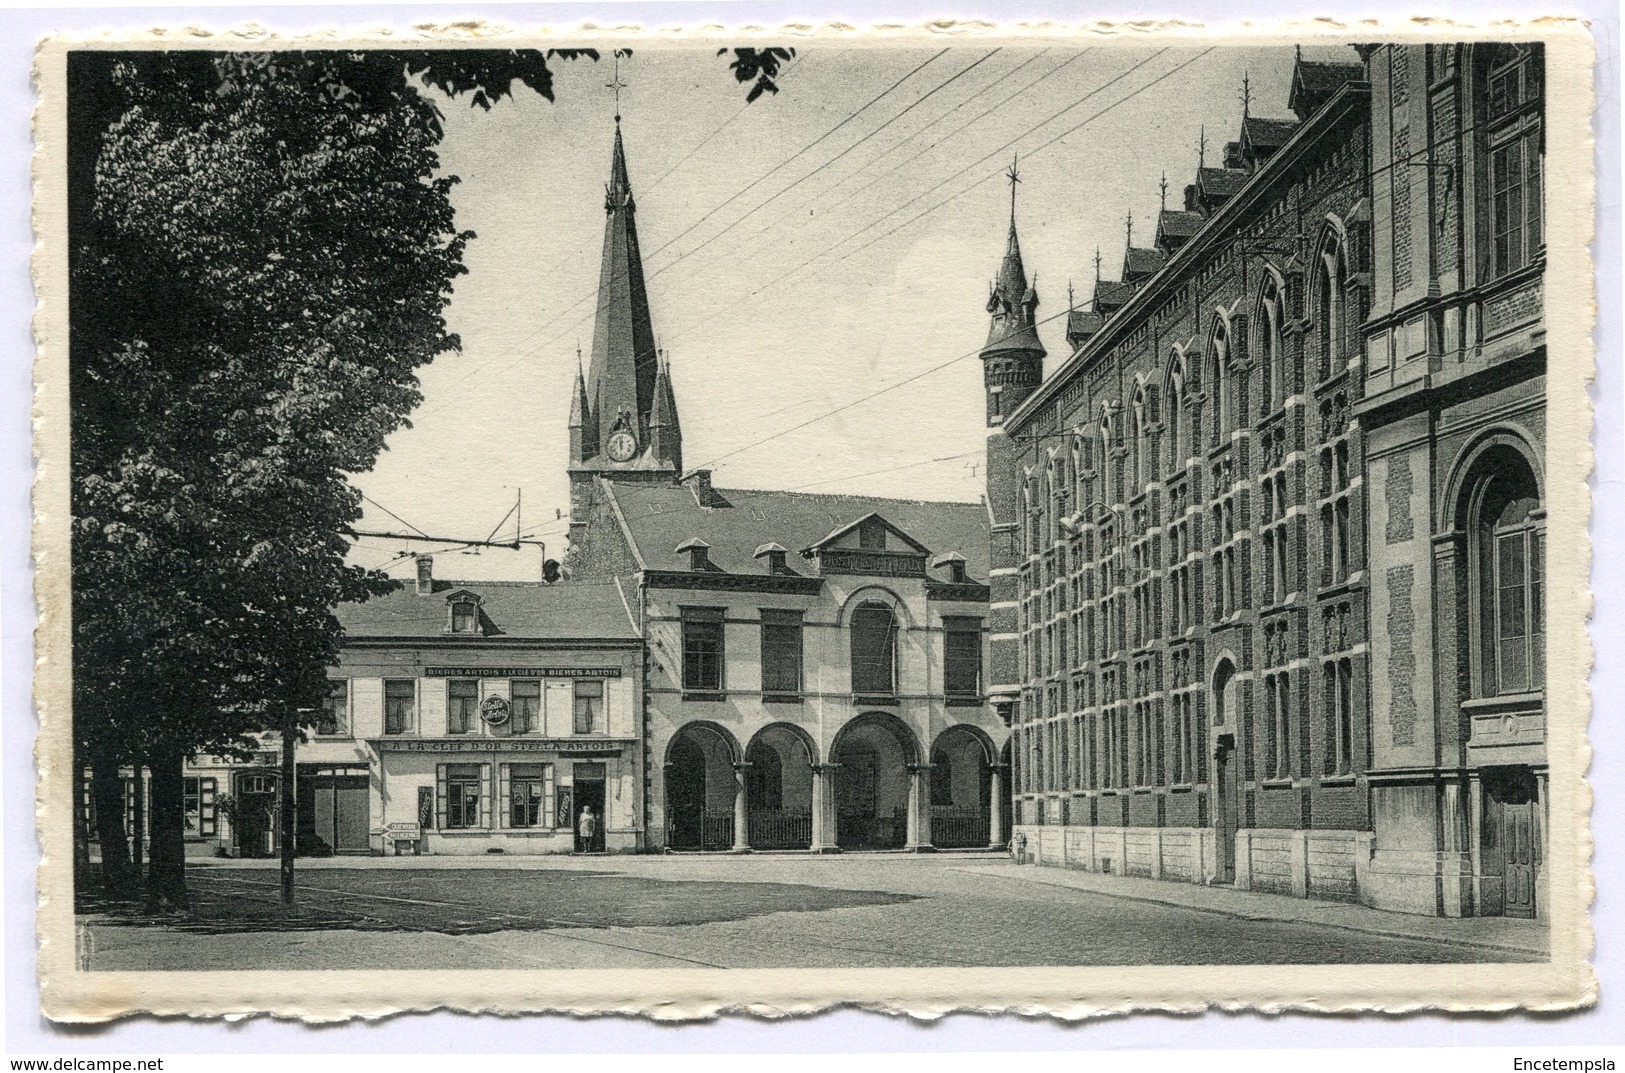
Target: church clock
x,y
622,445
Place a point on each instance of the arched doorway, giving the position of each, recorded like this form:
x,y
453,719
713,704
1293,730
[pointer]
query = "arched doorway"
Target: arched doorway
x,y
872,782
700,788
961,789
779,788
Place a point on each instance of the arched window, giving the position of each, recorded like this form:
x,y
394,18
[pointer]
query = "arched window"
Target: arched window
x,y
1329,306
1506,561
1273,388
1224,680
1220,384
1144,464
874,650
1177,437
1111,490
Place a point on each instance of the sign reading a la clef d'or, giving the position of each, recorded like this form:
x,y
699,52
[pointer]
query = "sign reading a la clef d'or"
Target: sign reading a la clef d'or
x,y
522,672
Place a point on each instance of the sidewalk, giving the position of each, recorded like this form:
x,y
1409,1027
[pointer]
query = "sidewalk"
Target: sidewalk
x,y
1508,934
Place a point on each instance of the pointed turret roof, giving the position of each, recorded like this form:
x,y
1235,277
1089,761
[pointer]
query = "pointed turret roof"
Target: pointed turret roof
x,y
579,409
1012,303
621,376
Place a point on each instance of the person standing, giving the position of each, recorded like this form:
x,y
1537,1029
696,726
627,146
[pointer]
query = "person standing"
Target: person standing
x,y
586,829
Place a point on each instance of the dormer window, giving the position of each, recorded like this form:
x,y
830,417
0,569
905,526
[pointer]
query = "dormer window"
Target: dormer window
x,y
463,610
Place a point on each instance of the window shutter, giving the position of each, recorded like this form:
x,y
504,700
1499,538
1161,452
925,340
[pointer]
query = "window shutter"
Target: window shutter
x,y
440,797
485,796
504,790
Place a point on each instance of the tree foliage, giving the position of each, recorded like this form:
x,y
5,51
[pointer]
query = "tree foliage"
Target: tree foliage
x,y
262,251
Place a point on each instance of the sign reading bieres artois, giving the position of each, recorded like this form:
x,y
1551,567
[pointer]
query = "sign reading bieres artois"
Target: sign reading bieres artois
x,y
522,672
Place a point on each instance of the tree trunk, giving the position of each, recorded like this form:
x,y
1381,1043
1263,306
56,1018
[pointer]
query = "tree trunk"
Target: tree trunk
x,y
81,825
166,861
107,789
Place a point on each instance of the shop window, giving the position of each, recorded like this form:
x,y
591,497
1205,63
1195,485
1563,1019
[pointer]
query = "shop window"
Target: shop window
x,y
334,717
460,796
781,652
530,788
702,649
589,706
525,706
200,811
400,705
873,636
462,706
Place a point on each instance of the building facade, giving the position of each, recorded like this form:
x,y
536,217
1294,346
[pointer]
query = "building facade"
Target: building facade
x,y
814,663
1226,657
463,718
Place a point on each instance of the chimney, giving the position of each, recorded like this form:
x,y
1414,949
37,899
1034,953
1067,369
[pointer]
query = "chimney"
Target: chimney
x,y
699,482
774,554
954,563
425,584
699,554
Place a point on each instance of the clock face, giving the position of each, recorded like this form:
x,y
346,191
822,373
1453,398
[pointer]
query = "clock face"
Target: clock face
x,y
622,445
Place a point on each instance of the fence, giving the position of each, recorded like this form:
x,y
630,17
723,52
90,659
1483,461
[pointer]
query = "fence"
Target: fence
x,y
958,827
780,829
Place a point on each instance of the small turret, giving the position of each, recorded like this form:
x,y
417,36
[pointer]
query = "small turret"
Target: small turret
x,y
1013,359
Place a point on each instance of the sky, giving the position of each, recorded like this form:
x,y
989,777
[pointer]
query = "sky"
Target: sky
x,y
802,253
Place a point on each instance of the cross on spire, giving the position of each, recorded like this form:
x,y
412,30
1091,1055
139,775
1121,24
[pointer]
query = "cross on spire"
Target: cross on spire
x,y
1013,173
1130,219
1246,94
1163,188
1201,147
615,85
1097,266
1070,304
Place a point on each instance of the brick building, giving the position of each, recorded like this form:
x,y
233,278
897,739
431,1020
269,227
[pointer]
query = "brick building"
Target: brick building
x,y
1214,641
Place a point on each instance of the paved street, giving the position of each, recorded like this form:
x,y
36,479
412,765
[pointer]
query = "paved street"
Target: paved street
x,y
758,911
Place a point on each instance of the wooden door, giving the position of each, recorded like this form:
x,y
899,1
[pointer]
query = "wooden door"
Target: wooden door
x,y
351,822
1518,843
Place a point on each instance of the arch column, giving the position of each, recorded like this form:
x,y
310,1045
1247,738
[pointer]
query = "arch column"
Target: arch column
x,y
823,820
919,810
995,806
741,810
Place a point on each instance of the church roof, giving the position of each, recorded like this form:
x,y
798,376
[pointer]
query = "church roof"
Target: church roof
x,y
659,517
1220,183
1262,137
1111,296
532,610
1175,223
1139,262
1314,82
1081,325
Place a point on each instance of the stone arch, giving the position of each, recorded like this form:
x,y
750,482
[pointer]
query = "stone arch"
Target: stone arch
x,y
873,753
962,759
701,783
1455,503
779,786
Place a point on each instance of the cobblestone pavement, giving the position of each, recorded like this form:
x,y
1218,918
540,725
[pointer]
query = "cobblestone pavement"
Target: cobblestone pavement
x,y
757,911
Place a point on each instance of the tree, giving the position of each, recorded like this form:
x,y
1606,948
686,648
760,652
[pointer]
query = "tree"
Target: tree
x,y
262,254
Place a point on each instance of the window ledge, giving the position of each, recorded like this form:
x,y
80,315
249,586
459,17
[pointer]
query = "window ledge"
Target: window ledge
x,y
1506,702
1277,783
702,694
885,699
954,700
781,698
1181,788
333,737
1337,780
1144,789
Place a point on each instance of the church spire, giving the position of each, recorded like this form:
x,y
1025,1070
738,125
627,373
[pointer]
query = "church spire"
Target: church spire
x,y
620,388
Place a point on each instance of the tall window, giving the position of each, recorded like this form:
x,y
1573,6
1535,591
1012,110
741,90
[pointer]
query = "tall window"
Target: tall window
x,y
1508,556
1273,369
530,788
702,649
962,657
1338,678
462,705
1220,385
400,705
334,718
874,650
781,652
589,706
198,806
1278,726
1329,306
1175,421
1516,146
525,705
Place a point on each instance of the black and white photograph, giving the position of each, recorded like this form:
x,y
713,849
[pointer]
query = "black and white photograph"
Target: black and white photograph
x,y
515,511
